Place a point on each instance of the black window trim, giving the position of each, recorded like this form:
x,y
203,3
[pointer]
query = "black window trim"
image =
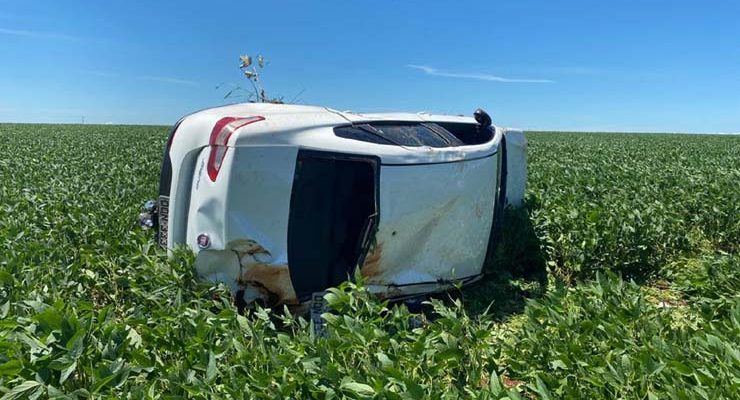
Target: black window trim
x,y
426,124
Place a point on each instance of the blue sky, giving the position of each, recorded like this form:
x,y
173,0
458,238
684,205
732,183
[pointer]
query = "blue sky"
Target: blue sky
x,y
646,65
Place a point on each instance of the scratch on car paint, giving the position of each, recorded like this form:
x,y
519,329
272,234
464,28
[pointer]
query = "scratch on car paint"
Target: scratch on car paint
x,y
200,174
260,278
274,278
245,247
371,267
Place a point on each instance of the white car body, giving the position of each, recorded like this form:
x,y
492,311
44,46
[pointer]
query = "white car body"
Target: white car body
x,y
296,207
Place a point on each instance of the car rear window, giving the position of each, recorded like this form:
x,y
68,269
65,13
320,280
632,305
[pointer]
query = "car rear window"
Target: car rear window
x,y
400,134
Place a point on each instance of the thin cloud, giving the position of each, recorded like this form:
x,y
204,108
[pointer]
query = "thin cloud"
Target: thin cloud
x,y
37,34
164,79
481,77
167,79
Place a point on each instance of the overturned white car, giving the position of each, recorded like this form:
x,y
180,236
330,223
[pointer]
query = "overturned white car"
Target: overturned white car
x,y
283,201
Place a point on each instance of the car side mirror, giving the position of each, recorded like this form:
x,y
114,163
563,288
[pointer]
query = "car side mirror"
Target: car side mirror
x,y
482,118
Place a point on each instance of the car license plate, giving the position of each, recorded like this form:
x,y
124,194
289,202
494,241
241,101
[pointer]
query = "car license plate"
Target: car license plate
x,y
164,211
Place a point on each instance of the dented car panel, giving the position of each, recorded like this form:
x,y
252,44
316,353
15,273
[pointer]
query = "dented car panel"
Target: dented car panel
x,y
245,213
250,200
434,223
289,207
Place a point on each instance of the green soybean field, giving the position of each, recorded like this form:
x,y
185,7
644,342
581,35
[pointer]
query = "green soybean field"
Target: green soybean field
x,y
620,278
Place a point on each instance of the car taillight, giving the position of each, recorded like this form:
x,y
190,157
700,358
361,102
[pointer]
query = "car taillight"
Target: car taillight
x,y
220,138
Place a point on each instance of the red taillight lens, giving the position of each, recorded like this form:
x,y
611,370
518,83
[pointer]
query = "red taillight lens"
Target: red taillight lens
x,y
220,138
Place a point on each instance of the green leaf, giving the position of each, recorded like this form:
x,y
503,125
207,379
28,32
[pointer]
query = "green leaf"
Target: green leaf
x,y
541,389
357,388
10,368
66,372
558,364
384,360
49,319
514,395
134,338
25,390
211,369
6,278
681,368
102,382
494,384
76,344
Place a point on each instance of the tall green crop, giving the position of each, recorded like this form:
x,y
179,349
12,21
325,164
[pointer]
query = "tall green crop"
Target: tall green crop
x,y
630,203
91,308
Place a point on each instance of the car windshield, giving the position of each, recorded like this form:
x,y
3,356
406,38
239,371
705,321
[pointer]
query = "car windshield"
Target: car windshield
x,y
400,134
